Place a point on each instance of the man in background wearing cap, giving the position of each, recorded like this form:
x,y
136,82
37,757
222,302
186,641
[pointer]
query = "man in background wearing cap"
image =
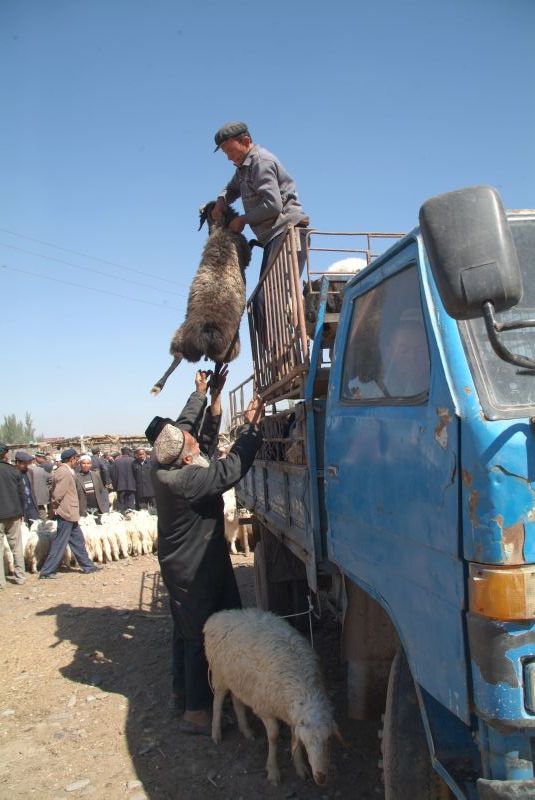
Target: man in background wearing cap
x,y
93,496
192,550
66,508
124,481
30,510
10,516
268,193
43,460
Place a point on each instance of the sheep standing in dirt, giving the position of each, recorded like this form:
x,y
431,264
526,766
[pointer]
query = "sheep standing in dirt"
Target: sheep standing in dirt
x,y
267,665
216,298
234,531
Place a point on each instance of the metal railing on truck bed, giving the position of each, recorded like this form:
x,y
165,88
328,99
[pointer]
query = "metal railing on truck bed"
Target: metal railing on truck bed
x,y
279,329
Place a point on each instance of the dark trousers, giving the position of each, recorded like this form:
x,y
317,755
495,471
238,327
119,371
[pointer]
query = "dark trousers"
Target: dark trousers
x,y
144,502
68,533
125,500
214,589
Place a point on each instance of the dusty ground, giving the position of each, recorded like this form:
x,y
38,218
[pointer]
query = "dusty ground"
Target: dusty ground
x,y
84,691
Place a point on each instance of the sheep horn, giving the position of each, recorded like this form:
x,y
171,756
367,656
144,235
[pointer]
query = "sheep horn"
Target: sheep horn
x,y
158,386
204,212
338,735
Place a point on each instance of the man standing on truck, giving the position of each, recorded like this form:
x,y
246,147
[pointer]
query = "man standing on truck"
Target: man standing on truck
x,y
268,194
192,550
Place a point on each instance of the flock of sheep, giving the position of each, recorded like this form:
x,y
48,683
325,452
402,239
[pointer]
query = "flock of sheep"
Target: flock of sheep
x,y
116,537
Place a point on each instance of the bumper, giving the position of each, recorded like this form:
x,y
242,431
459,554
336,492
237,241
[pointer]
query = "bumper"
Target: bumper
x,y
505,790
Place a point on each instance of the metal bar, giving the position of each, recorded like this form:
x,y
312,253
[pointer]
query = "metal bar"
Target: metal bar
x,y
299,299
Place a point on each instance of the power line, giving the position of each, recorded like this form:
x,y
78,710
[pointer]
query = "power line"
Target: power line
x,y
89,288
89,269
93,258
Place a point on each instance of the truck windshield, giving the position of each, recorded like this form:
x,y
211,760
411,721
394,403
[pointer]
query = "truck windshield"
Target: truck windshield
x,y
505,390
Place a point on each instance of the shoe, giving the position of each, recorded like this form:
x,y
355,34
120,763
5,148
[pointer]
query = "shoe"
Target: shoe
x,y
94,568
50,577
186,726
20,581
177,703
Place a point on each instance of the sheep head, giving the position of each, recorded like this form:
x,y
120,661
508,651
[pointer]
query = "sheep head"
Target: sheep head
x,y
205,215
314,731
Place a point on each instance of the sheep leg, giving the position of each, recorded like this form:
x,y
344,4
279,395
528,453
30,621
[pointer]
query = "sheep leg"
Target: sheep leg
x,y
297,755
239,710
217,708
158,386
244,533
272,730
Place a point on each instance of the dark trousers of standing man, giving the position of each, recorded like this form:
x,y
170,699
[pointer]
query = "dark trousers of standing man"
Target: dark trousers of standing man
x,y
214,589
125,500
68,533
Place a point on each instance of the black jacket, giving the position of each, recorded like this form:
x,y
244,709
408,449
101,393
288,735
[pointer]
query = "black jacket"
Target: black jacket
x,y
143,478
124,475
189,498
10,491
102,466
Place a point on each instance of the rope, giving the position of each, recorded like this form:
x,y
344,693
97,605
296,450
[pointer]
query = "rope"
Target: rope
x,y
307,613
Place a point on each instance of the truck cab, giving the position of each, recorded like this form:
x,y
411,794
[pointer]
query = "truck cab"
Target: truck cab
x,y
412,499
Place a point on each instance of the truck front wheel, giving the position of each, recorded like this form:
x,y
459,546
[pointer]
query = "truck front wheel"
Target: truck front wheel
x,y
406,761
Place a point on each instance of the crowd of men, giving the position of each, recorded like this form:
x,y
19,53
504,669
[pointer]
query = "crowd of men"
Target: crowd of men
x,y
64,488
97,475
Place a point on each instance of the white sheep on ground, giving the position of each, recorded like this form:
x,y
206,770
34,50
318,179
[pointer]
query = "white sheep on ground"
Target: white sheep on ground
x,y
233,530
142,530
267,665
115,525
46,530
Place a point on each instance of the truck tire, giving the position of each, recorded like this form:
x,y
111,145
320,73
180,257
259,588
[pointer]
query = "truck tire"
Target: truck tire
x,y
406,761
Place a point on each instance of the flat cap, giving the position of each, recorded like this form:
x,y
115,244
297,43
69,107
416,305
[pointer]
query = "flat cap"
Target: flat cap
x,y
22,455
68,453
229,131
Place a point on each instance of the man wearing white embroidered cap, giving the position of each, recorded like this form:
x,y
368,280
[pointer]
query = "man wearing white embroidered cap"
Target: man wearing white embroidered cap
x,y
192,551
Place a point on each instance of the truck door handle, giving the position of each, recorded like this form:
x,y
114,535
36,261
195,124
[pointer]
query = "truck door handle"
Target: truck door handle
x,y
332,469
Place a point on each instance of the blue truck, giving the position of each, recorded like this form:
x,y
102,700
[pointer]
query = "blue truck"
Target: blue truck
x,y
397,480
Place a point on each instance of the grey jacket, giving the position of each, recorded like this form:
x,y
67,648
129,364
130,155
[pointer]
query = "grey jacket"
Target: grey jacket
x,y
40,480
268,194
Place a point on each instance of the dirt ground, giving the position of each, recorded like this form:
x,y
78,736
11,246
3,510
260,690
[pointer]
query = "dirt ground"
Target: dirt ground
x,y
84,701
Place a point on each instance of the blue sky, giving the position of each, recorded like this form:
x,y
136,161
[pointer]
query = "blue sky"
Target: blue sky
x,y
110,107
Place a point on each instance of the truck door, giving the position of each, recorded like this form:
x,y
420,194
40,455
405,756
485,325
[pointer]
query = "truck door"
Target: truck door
x,y
391,457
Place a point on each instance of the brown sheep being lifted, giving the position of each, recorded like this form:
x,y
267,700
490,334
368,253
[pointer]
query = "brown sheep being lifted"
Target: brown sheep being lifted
x,y
216,298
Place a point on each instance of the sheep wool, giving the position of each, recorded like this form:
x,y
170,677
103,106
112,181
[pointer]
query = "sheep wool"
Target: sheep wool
x,y
217,296
267,665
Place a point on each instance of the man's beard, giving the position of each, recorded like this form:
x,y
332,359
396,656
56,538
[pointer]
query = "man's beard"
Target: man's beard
x,y
200,461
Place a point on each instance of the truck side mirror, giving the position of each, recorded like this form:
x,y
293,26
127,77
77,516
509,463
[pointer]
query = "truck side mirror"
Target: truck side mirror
x,y
474,261
471,250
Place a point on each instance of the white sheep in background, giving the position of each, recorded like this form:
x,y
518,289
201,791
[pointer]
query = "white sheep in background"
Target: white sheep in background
x,y
46,530
112,497
9,564
233,530
29,543
267,665
114,523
